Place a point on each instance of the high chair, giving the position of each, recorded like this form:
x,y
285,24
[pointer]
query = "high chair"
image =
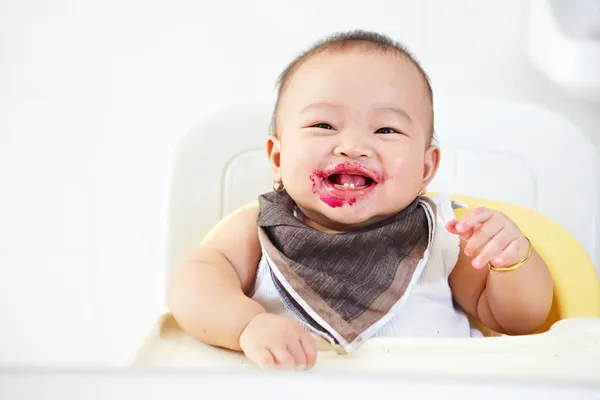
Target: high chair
x,y
496,154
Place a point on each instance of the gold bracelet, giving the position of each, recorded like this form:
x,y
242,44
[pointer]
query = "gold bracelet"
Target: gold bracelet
x,y
515,266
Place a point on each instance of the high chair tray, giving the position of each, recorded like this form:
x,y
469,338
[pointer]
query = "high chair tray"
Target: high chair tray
x,y
568,352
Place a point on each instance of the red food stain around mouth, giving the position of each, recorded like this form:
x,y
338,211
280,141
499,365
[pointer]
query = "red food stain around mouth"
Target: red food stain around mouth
x,y
328,184
334,202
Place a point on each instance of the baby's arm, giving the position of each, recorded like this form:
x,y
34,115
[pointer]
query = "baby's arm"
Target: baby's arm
x,y
512,302
207,295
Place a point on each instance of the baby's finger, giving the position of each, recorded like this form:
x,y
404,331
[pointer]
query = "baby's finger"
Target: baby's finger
x,y
297,353
451,226
482,234
512,254
282,357
476,216
494,248
309,345
261,357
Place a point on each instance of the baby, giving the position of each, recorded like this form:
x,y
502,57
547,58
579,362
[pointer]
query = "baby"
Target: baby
x,y
347,246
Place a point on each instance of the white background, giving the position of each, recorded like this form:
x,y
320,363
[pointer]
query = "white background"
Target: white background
x,y
93,94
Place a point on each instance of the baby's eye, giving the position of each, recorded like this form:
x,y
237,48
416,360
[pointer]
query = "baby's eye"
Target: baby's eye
x,y
322,125
386,130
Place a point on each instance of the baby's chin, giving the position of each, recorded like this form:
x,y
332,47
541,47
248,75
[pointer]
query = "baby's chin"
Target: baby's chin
x,y
351,216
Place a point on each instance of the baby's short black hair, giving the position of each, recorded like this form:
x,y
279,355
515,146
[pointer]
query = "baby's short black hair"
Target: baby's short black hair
x,y
369,41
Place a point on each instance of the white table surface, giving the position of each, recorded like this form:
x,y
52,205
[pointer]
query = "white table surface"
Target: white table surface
x,y
201,384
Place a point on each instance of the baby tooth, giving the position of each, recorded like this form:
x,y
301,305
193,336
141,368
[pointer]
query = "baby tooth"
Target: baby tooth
x,y
352,185
346,184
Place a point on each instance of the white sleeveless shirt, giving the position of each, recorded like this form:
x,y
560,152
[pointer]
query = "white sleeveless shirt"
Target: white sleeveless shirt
x,y
429,310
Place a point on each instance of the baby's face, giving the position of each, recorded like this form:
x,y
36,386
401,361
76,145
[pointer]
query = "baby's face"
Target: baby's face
x,y
354,138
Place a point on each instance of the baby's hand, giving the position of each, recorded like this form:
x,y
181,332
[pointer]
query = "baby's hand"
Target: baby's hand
x,y
491,236
273,340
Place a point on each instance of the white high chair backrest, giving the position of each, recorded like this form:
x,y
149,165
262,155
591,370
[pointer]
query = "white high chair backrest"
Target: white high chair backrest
x,y
491,148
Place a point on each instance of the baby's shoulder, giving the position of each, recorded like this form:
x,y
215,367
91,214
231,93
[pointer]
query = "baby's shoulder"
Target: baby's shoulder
x,y
444,207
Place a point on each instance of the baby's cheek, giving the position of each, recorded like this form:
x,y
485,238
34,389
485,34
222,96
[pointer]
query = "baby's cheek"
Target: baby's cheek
x,y
406,169
291,156
295,153
295,172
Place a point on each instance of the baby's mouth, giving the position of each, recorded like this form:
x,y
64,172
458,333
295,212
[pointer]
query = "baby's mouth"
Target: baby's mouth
x,y
345,183
350,181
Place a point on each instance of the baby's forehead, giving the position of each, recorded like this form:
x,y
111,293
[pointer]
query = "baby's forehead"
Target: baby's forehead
x,y
354,76
341,59
376,70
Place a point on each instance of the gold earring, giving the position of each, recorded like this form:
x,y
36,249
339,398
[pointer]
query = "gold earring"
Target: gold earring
x,y
278,187
421,192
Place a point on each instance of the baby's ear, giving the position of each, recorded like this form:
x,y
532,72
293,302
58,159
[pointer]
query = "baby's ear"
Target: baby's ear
x,y
274,154
432,163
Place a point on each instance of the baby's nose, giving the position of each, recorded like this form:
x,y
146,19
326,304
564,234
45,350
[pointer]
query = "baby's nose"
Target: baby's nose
x,y
353,152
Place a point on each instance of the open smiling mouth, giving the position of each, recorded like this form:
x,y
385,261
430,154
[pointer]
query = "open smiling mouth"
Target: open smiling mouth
x,y
349,181
345,183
